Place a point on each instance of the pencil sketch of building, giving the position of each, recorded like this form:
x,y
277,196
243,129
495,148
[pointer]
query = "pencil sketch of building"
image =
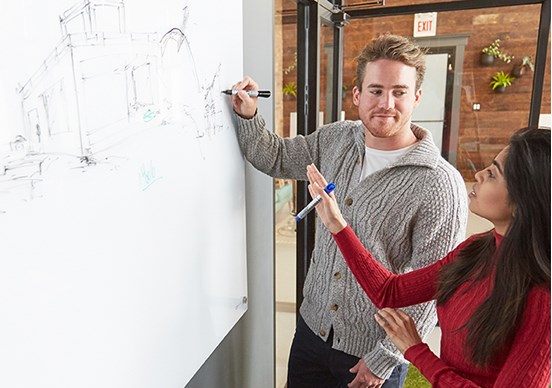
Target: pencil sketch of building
x,y
100,86
96,81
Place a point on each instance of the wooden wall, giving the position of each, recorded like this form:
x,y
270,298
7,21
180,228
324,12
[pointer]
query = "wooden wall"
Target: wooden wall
x,y
482,134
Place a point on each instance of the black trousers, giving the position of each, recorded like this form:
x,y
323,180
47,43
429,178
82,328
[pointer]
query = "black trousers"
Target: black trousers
x,y
313,363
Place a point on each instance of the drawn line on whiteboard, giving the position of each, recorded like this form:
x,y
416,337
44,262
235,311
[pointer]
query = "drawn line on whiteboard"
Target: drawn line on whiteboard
x,y
150,183
84,125
148,175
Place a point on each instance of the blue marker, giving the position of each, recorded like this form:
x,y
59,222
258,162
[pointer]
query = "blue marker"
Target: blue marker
x,y
328,189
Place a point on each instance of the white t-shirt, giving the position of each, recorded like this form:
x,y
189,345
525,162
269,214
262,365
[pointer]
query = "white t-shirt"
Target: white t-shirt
x,y
375,160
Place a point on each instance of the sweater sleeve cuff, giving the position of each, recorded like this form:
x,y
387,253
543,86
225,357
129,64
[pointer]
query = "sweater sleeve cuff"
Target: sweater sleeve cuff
x,y
251,124
424,360
381,362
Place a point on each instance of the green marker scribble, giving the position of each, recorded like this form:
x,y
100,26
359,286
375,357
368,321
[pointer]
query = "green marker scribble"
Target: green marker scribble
x,y
149,115
148,175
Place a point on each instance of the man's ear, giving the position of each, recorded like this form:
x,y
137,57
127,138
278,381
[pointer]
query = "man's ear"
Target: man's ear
x,y
356,96
418,96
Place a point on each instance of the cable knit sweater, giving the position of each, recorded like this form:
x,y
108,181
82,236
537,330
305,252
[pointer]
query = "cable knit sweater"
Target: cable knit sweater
x,y
409,215
525,362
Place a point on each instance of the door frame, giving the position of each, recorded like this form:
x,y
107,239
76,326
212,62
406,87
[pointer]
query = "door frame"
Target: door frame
x,y
445,44
542,38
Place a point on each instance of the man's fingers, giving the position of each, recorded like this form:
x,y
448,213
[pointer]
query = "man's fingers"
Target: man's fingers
x,y
246,83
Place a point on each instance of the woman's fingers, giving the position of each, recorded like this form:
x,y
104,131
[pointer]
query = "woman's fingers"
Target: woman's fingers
x,y
400,328
388,317
316,175
317,181
313,190
402,315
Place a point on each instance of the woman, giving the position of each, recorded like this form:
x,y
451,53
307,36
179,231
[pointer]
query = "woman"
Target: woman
x,y
492,291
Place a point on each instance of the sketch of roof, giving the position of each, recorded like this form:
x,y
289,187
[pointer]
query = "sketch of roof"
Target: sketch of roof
x,y
86,12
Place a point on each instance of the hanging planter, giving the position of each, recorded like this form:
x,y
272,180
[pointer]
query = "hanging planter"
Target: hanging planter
x,y
518,71
488,54
290,90
522,67
486,59
500,81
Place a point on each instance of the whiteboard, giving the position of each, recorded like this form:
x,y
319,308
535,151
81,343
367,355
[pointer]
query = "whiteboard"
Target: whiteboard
x,y
122,203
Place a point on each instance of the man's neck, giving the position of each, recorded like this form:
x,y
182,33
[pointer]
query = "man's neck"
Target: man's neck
x,y
402,140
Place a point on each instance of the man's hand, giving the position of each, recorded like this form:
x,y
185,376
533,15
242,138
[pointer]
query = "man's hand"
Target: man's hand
x,y
243,104
364,378
400,328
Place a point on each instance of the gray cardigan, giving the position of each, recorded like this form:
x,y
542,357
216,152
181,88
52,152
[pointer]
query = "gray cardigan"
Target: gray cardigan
x,y
408,215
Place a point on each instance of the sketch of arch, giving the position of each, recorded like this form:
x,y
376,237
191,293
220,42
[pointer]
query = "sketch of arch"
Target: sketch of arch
x,y
89,95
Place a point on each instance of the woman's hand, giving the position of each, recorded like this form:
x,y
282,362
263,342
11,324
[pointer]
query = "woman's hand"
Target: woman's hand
x,y
399,327
327,209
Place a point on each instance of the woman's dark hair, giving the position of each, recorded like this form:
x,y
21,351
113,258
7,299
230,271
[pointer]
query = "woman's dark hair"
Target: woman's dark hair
x,y
522,260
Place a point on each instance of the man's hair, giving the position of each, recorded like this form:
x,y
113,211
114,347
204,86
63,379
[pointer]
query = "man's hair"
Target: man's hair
x,y
395,48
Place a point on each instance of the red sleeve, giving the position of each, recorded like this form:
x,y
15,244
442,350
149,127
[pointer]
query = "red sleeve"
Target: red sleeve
x,y
528,361
383,287
434,369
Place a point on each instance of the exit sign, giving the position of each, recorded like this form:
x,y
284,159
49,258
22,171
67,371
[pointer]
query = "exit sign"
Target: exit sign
x,y
425,24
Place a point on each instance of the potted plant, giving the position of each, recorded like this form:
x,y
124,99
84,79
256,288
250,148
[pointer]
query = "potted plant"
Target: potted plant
x,y
293,65
525,64
489,53
500,81
290,89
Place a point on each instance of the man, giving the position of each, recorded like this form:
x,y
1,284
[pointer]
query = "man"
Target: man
x,y
406,204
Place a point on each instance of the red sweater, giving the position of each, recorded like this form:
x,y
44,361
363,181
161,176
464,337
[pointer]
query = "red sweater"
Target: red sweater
x,y
526,362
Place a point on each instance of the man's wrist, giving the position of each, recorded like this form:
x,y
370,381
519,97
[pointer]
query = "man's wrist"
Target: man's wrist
x,y
380,365
246,117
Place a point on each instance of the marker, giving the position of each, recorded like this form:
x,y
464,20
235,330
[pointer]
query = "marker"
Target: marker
x,y
250,93
328,189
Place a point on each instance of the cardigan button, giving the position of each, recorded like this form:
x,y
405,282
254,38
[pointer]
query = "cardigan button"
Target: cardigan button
x,y
337,275
348,202
322,333
333,307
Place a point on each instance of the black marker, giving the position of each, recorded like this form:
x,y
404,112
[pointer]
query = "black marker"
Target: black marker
x,y
250,93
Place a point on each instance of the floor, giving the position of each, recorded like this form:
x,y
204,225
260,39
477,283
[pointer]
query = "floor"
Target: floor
x,y
285,285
